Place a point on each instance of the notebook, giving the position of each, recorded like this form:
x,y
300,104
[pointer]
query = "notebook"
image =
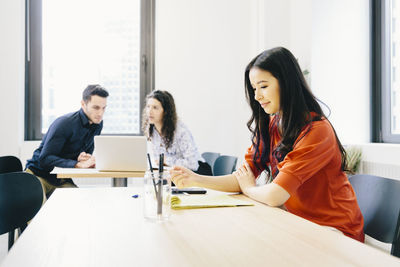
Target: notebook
x,y
120,153
206,201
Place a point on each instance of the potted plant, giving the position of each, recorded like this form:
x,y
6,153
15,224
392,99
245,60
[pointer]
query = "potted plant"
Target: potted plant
x,y
353,157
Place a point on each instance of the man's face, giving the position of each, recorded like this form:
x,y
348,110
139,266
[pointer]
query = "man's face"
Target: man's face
x,y
95,108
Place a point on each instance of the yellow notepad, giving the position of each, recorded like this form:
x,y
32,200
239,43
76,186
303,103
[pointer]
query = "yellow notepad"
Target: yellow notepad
x,y
206,201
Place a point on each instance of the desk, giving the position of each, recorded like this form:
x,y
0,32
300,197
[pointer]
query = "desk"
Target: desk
x,y
118,178
105,227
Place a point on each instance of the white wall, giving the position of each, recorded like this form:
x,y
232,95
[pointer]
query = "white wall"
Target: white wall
x,y
301,32
287,23
340,65
275,18
12,54
202,48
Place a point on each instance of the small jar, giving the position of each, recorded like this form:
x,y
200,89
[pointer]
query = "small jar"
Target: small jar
x,y
157,196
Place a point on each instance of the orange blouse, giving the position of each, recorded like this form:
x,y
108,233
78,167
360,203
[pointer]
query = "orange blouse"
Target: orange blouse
x,y
311,173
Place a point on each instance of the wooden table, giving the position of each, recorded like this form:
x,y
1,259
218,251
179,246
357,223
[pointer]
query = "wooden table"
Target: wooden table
x,y
119,178
105,227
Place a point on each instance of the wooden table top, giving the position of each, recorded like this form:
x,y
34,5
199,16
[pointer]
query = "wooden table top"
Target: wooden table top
x,y
106,227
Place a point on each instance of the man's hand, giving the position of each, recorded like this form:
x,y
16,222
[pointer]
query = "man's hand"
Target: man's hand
x,y
84,156
89,163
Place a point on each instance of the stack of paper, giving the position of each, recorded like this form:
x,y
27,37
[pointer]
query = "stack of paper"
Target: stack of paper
x,y
206,201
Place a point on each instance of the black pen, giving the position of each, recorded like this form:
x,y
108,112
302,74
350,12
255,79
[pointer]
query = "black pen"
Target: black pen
x,y
161,169
152,173
160,184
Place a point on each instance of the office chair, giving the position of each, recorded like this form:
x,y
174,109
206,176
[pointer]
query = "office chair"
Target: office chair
x,y
379,201
210,158
21,197
224,165
10,164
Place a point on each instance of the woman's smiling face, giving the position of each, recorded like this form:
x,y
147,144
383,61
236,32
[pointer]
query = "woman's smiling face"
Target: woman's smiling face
x,y
266,89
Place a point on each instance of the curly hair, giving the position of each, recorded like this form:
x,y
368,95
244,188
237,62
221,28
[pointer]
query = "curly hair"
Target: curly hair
x,y
169,119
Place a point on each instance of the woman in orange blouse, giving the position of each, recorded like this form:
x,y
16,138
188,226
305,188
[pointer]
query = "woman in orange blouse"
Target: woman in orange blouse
x,y
295,144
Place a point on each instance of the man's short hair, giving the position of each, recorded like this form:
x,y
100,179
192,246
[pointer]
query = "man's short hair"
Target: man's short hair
x,y
93,89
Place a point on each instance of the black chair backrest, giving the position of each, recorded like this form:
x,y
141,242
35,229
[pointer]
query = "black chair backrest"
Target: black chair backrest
x,y
10,164
210,158
224,165
21,197
379,201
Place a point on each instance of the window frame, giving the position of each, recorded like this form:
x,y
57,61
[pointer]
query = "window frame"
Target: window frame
x,y
33,63
381,73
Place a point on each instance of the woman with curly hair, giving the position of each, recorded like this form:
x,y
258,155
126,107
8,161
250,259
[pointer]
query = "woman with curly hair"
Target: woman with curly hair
x,y
294,142
170,136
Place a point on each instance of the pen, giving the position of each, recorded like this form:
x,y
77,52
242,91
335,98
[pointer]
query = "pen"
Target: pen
x,y
161,167
135,196
152,173
160,184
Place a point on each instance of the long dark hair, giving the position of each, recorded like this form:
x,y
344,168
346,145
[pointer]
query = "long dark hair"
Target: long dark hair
x,y
169,119
296,103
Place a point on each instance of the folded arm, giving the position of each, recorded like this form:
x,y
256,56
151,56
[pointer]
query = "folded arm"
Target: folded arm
x,y
270,194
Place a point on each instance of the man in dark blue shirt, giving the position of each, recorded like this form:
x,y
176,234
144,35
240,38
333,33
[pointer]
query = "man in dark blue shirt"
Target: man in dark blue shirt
x,y
69,141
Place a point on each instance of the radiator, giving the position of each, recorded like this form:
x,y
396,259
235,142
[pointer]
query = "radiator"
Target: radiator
x,y
381,169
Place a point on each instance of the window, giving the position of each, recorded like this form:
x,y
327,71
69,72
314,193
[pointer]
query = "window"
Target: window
x,y
71,44
386,71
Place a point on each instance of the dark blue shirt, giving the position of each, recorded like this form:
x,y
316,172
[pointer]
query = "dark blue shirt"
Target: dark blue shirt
x,y
67,137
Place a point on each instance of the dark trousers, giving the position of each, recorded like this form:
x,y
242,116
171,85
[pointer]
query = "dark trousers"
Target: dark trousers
x,y
204,169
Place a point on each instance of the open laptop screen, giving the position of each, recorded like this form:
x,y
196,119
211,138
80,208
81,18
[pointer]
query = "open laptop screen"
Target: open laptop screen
x,y
120,153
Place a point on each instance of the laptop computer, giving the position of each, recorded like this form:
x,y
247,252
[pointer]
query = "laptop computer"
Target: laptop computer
x,y
120,153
